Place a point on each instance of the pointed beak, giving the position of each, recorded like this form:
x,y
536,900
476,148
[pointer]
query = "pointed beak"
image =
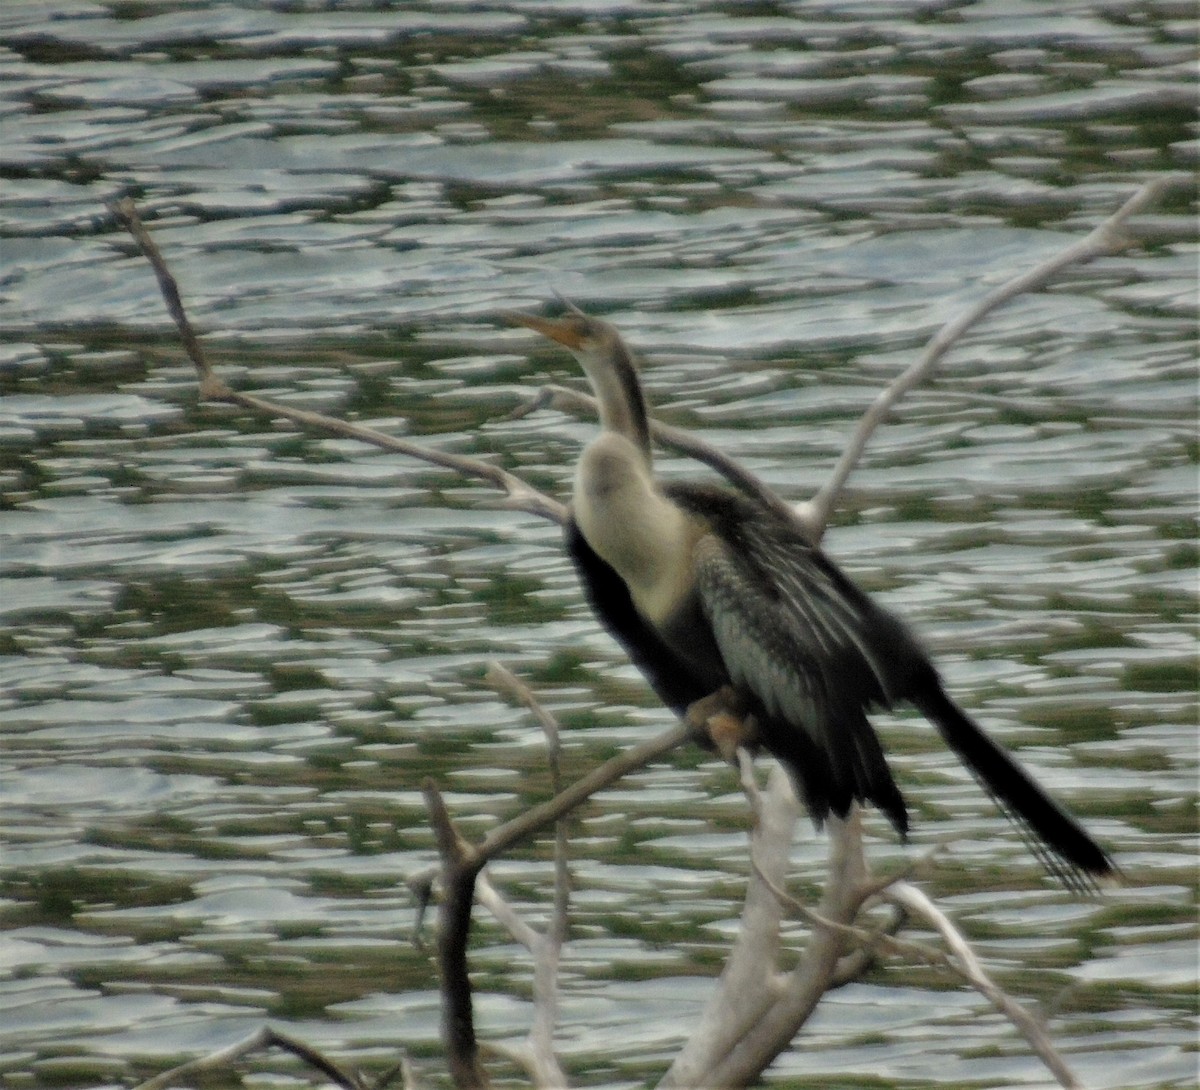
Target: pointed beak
x,y
562,330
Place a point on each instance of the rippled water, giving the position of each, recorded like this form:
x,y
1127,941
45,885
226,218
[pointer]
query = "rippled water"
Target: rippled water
x,y
232,652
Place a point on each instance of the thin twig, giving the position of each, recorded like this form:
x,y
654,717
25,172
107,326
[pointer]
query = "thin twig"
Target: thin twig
x,y
519,494
500,677
538,817
868,938
220,1059
265,1037
126,214
1108,238
537,1055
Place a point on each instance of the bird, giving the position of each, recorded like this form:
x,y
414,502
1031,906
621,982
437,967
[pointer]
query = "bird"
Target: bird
x,y
723,601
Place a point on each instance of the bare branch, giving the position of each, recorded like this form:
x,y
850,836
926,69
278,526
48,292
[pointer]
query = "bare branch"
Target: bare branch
x,y
266,1037
750,981
813,516
538,817
537,1054
126,214
519,494
853,964
216,1060
910,901
775,1029
532,821
505,915
871,939
1108,238
969,967
460,868
502,678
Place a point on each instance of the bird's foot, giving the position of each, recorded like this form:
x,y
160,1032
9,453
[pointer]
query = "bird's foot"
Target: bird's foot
x,y
722,722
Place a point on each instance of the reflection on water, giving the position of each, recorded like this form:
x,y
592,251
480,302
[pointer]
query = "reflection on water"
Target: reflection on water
x,y
231,653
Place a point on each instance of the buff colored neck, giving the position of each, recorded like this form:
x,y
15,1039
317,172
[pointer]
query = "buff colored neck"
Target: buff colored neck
x,y
625,517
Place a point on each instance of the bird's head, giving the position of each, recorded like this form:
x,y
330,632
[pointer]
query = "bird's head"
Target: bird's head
x,y
590,340
606,361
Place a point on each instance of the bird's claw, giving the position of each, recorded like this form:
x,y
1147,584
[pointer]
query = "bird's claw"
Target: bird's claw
x,y
722,722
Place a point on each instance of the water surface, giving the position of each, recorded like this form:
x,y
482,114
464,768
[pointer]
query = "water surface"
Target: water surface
x,y
232,652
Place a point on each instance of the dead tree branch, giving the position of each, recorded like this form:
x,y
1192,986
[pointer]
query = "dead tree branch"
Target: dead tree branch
x,y
520,495
460,867
968,966
751,980
536,1054
269,1038
565,399
775,1024
1110,237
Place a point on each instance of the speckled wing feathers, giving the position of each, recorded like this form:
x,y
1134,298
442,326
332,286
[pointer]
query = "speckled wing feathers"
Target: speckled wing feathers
x,y
804,641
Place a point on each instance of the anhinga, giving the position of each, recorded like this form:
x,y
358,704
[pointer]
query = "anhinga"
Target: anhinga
x,y
710,589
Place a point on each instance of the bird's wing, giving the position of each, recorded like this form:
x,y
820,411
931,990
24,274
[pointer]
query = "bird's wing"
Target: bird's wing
x,y
809,646
788,623
797,633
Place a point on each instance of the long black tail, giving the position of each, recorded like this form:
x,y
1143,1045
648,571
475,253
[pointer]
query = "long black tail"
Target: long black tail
x,y
1056,838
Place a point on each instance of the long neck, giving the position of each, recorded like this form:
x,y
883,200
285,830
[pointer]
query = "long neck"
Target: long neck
x,y
619,394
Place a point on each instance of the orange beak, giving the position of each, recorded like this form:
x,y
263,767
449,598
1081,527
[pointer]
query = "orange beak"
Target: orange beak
x,y
561,330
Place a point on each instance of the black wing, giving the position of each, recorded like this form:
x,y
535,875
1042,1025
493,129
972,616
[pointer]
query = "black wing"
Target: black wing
x,y
812,649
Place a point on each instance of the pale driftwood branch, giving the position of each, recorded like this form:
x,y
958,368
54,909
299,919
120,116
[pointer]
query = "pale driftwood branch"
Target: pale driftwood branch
x,y
805,985
1110,237
269,1038
750,981
969,967
519,494
853,964
911,901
